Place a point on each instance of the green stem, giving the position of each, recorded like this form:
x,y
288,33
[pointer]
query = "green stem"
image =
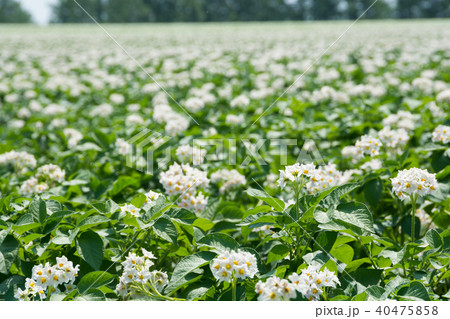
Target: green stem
x,y
297,208
413,230
233,288
311,235
369,255
413,220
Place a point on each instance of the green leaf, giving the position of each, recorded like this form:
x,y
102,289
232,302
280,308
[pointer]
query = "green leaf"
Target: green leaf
x,y
414,291
343,253
355,216
325,241
277,252
154,209
90,248
165,229
91,221
9,248
185,267
276,203
433,239
95,279
366,277
372,191
375,292
38,210
332,199
123,182
91,295
219,242
199,290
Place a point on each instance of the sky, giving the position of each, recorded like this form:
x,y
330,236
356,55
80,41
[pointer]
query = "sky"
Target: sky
x,y
39,9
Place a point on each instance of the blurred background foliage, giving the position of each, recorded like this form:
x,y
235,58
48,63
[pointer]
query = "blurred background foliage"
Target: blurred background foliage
x,y
136,11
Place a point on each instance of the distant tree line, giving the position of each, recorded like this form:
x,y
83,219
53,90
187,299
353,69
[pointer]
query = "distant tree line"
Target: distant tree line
x,y
245,10
121,11
12,12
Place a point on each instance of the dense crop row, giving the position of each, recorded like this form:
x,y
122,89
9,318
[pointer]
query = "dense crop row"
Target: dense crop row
x,y
232,177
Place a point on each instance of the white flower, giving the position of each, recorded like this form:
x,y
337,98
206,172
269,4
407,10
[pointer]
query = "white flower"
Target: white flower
x,y
295,173
240,101
46,279
151,196
19,160
228,178
235,119
444,96
325,177
403,119
372,165
441,134
353,152
369,145
189,154
122,147
240,264
414,181
137,270
275,289
184,179
53,172
266,230
117,98
393,138
133,210
311,281
194,104
73,136
134,119
103,110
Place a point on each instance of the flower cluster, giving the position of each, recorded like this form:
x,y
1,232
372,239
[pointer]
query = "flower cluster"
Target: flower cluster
x,y
185,180
235,119
295,172
403,119
240,101
235,264
73,136
182,178
353,152
414,181
102,110
137,271
47,279
275,289
51,172
189,154
175,123
151,196
266,230
122,146
323,178
131,209
32,186
39,183
441,134
20,160
192,202
369,145
229,179
310,283
435,110
393,138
